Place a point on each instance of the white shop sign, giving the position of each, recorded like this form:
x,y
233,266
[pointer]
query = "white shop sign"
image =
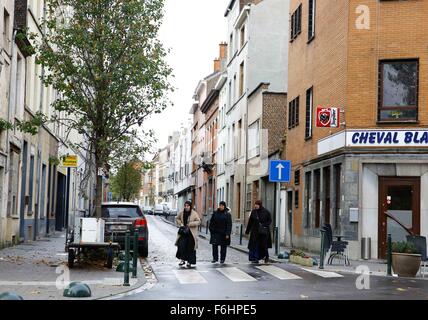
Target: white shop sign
x,y
387,138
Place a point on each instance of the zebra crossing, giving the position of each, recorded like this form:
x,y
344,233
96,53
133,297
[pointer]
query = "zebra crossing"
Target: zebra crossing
x,y
242,274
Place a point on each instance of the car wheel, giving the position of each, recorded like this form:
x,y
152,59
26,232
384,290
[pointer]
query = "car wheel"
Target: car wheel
x,y
144,250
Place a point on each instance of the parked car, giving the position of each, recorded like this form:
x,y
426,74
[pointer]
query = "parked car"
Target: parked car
x,y
148,210
159,210
172,212
122,216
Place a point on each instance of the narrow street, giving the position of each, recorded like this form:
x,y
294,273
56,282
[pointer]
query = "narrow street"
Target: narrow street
x,y
238,279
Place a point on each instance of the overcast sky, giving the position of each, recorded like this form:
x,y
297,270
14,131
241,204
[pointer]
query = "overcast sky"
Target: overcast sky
x,y
192,29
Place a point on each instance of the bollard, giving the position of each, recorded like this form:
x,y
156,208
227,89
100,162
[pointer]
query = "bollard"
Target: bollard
x,y
276,241
240,235
135,253
127,243
321,266
389,255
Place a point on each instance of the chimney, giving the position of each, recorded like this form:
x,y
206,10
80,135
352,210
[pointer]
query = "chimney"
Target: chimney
x,y
223,50
217,65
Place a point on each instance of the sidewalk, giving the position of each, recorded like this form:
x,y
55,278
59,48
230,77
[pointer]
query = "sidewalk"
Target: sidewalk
x,y
375,267
32,270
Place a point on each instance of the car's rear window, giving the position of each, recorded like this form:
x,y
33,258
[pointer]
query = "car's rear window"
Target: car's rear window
x,y
121,212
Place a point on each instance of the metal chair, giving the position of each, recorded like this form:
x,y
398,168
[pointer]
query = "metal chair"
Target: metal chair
x,y
336,249
420,243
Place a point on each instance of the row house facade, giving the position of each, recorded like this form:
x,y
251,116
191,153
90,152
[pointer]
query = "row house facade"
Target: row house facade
x,y
38,196
369,176
199,142
257,55
184,182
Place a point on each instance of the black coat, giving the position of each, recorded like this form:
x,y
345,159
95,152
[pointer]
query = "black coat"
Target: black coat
x,y
220,227
263,217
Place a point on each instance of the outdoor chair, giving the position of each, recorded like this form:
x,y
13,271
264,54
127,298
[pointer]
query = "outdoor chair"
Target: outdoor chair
x,y
335,249
420,243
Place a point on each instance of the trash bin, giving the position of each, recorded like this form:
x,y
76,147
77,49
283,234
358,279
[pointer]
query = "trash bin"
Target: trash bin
x,y
366,248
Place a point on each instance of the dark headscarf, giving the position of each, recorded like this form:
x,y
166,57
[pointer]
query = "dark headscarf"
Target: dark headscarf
x,y
189,203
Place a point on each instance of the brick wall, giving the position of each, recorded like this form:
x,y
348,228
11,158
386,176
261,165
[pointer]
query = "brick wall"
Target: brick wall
x,y
321,64
397,31
274,119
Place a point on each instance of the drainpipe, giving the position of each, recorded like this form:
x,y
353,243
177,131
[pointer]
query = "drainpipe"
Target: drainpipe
x,y
9,111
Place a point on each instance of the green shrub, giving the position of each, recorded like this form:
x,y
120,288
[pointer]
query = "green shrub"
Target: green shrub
x,y
404,247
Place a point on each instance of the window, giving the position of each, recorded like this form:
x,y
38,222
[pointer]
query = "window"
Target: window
x,y
238,140
254,139
234,89
326,180
309,110
241,79
233,143
231,46
230,94
242,36
6,30
308,198
31,186
398,90
249,198
296,23
293,113
311,20
317,184
296,199
297,177
337,180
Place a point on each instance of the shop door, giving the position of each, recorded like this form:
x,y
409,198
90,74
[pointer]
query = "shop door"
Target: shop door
x,y
399,210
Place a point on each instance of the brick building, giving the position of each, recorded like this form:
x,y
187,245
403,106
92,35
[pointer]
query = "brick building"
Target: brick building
x,y
368,176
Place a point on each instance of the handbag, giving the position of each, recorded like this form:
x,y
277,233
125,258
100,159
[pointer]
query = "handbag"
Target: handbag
x,y
183,230
263,230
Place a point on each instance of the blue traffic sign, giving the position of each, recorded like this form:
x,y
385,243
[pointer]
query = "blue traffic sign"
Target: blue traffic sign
x,y
279,171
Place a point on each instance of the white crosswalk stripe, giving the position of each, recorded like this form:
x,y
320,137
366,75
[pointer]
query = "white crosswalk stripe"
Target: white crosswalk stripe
x,y
279,273
324,274
189,277
236,275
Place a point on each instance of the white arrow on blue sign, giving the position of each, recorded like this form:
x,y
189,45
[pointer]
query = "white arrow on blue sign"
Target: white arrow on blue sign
x,y
279,171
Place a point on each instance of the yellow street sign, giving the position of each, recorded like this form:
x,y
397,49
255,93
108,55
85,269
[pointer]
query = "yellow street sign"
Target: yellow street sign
x,y
69,161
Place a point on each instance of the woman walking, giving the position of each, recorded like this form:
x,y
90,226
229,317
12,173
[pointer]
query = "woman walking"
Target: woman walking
x,y
259,229
220,229
187,240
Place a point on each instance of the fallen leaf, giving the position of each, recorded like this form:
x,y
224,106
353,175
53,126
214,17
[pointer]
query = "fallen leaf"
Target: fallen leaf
x,y
303,296
401,289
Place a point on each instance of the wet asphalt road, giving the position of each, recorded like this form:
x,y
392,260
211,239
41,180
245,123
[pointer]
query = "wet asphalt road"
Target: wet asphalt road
x,y
238,279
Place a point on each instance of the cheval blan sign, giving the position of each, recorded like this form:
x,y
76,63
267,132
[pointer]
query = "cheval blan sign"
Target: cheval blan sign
x,y
374,138
387,138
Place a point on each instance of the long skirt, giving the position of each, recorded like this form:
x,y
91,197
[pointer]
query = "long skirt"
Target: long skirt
x,y
260,251
186,249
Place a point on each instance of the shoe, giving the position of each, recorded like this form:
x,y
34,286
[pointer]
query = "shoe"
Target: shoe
x,y
188,265
181,263
254,261
222,261
214,261
266,260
